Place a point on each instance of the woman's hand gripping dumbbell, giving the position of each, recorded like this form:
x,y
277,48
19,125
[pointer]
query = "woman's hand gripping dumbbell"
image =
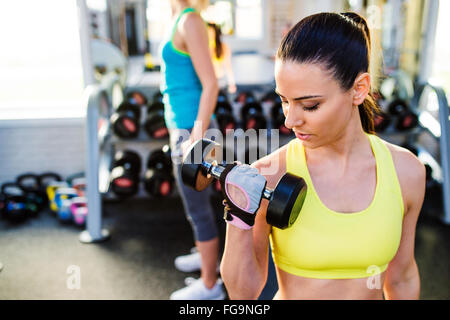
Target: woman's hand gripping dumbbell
x,y
201,166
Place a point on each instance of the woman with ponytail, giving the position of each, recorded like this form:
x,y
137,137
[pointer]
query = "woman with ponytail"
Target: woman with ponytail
x,y
354,236
221,58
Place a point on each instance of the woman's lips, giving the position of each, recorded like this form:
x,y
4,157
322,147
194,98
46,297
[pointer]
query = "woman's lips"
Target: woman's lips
x,y
302,136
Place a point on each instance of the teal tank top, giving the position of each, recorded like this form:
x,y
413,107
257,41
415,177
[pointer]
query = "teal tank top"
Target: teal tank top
x,y
180,85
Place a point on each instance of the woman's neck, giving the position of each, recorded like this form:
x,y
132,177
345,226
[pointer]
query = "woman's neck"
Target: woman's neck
x,y
351,143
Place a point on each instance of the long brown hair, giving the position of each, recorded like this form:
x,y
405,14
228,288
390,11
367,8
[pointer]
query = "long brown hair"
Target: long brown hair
x,y
217,39
341,42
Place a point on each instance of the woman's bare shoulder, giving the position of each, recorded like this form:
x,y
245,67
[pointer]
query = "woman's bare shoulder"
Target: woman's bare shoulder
x,y
272,166
410,171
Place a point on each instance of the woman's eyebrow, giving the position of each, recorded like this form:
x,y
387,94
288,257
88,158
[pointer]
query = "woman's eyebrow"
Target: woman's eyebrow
x,y
300,98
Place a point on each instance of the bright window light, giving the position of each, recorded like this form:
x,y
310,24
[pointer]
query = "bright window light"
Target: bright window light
x,y
40,59
441,62
249,19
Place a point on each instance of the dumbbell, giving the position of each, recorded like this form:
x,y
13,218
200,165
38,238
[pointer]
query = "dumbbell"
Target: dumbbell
x,y
136,97
2,203
16,206
228,157
78,182
407,120
31,185
79,210
224,115
158,97
125,120
124,176
381,121
278,118
155,124
33,202
200,167
51,191
63,200
244,96
252,115
158,178
44,180
397,107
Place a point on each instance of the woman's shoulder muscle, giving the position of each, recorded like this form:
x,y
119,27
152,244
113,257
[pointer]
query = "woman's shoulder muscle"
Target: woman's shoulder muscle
x,y
410,172
190,21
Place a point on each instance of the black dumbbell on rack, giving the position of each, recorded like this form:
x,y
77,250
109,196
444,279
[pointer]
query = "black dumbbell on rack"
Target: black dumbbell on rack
x,y
124,178
381,121
154,124
158,179
125,121
252,115
137,98
201,166
224,113
406,119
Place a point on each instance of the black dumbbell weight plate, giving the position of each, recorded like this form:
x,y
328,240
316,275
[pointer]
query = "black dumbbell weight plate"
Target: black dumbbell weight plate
x,y
287,201
193,173
129,160
158,183
137,97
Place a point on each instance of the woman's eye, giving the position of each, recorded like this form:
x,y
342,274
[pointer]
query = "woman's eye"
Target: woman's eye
x,y
313,108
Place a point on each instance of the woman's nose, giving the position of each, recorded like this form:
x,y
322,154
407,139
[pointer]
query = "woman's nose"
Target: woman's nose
x,y
293,119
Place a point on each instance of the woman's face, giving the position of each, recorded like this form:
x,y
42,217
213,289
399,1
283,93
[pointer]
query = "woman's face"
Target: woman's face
x,y
315,106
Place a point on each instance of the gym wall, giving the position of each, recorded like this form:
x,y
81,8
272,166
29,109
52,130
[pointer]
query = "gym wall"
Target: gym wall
x,y
41,145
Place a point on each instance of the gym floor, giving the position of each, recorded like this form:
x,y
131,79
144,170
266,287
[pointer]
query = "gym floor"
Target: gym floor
x,y
137,261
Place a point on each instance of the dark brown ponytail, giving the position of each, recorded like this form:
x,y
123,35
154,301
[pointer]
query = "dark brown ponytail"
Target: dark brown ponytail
x,y
369,107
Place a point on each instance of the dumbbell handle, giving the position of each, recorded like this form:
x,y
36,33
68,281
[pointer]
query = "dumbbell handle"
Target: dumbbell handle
x,y
216,170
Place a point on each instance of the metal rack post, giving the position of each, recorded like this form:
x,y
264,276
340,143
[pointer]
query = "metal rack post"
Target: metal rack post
x,y
443,137
94,231
445,150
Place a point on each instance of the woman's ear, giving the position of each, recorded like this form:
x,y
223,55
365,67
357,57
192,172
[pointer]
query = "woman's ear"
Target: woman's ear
x,y
361,88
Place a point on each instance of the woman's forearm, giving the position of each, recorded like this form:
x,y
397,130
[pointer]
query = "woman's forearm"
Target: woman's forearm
x,y
407,288
207,105
241,272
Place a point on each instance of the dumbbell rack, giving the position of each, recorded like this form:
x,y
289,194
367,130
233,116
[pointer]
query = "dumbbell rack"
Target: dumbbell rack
x,y
101,99
441,167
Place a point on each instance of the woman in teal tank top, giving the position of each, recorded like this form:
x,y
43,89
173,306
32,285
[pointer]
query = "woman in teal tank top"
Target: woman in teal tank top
x,y
189,87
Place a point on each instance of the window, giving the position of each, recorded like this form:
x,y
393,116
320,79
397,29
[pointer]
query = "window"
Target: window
x,y
249,19
441,62
159,17
40,59
221,13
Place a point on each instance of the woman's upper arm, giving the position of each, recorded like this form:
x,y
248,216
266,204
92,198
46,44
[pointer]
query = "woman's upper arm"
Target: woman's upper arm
x,y
195,36
411,174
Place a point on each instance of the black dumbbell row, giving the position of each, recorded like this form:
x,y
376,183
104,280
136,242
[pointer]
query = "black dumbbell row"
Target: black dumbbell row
x,y
126,120
251,112
158,179
398,113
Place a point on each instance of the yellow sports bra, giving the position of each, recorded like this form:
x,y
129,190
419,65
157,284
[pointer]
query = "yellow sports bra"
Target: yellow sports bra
x,y
325,244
